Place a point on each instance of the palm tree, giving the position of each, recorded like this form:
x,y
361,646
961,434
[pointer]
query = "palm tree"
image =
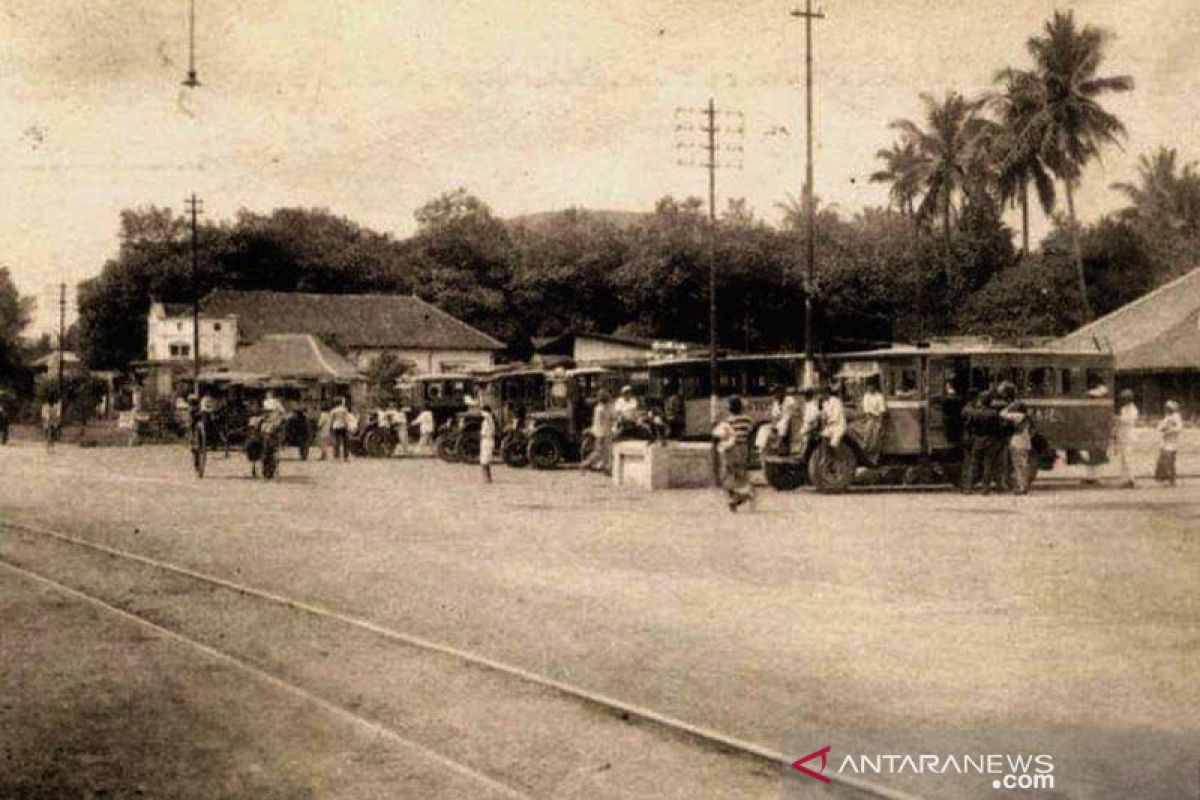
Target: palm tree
x,y
1164,195
948,148
1016,168
904,168
1069,127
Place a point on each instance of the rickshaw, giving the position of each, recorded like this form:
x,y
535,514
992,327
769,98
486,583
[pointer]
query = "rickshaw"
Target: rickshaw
x,y
927,389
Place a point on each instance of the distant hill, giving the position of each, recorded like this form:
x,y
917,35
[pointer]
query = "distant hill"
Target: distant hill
x,y
543,219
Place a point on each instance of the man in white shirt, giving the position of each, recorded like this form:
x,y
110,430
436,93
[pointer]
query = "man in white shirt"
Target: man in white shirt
x,y
1127,419
833,416
487,441
625,409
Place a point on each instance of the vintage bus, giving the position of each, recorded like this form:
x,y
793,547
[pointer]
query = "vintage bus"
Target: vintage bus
x,y
927,388
443,393
748,376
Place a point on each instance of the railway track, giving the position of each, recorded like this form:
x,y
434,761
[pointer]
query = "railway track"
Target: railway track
x,y
719,752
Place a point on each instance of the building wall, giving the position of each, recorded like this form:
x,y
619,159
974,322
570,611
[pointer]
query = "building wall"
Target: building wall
x,y
170,338
428,361
599,350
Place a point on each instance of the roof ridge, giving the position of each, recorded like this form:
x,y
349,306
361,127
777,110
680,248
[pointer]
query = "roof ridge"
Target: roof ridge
x,y
1132,304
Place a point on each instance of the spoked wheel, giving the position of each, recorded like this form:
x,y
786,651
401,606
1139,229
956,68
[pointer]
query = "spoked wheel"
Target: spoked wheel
x,y
375,443
199,450
447,448
468,447
782,475
832,469
545,452
512,450
587,446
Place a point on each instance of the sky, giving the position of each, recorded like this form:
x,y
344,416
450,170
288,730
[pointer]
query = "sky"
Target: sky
x,y
369,108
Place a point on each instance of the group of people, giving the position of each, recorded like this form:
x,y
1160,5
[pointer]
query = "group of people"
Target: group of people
x,y
337,423
610,419
1169,429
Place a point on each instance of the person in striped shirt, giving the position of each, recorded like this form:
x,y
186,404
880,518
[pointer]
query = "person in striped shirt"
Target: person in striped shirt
x,y
732,439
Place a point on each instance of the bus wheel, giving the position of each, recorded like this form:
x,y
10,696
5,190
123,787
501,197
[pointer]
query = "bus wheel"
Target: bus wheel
x,y
784,476
832,469
447,448
468,447
545,451
587,446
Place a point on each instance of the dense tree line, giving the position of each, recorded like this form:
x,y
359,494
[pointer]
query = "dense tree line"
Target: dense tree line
x,y
939,260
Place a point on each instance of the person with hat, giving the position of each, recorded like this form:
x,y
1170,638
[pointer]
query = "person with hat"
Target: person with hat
x,y
602,428
1127,420
1169,429
1020,439
731,437
625,410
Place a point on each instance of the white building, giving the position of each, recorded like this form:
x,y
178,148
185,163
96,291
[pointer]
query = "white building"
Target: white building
x,y
169,334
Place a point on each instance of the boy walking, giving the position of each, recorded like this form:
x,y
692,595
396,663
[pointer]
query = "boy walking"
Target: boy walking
x,y
731,437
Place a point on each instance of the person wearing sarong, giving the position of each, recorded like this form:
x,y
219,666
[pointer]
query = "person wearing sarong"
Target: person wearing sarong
x,y
869,425
732,439
1127,420
1169,429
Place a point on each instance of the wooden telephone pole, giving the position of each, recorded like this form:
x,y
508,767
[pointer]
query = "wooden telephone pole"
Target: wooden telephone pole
x,y
193,204
810,272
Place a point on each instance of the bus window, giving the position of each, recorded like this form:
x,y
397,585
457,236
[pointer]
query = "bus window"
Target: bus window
x,y
901,382
981,379
433,391
1067,381
1097,384
1041,382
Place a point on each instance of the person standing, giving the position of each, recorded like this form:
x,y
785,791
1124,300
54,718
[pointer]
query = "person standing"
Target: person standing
x,y
324,432
487,441
339,426
400,427
874,407
51,415
1169,429
426,426
600,459
1127,420
731,436
1020,443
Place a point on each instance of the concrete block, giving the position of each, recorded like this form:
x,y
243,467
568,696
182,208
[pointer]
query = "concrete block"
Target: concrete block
x,y
677,465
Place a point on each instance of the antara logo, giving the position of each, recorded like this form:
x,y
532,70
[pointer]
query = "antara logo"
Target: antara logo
x,y
823,753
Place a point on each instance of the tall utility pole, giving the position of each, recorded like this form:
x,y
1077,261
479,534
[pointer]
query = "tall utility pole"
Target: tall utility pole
x,y
711,130
810,274
191,81
62,329
194,208
712,151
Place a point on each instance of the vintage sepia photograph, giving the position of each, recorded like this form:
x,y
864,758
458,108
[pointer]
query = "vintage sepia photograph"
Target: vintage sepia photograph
x,y
599,399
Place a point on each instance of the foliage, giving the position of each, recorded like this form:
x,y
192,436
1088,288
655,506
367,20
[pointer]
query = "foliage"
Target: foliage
x,y
382,374
15,313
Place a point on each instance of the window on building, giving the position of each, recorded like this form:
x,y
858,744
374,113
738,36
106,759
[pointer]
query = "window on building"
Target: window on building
x,y
216,326
178,326
181,350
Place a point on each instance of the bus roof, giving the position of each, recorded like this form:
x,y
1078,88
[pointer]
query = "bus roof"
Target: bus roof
x,y
897,351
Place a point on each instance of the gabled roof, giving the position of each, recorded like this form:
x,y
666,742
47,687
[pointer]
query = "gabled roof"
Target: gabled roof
x,y
293,355
1176,349
352,320
1140,326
